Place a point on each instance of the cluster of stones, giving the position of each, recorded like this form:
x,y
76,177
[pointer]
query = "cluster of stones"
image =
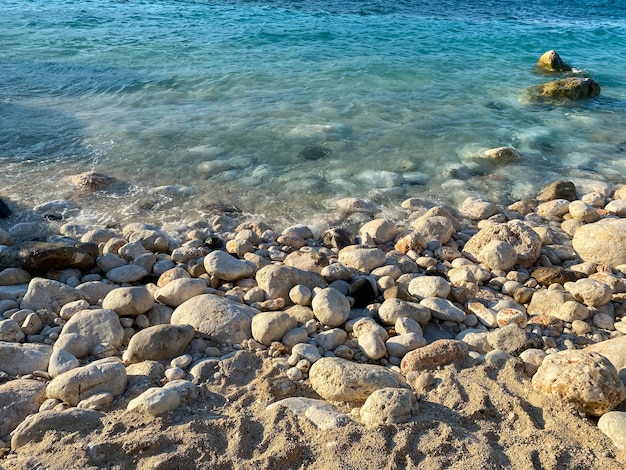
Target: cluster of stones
x,y
571,87
143,315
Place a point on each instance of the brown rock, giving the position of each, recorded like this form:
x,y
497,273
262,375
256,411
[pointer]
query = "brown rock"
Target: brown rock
x,y
550,61
436,354
554,274
558,190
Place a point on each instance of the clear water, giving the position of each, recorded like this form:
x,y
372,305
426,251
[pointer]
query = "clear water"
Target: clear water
x,y
219,98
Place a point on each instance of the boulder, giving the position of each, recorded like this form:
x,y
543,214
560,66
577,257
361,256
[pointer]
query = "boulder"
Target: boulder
x,y
388,406
525,241
602,242
569,88
613,425
434,228
18,399
22,359
71,421
14,276
613,349
336,379
131,301
222,320
38,257
551,61
92,181
558,190
159,343
48,294
97,326
101,376
583,378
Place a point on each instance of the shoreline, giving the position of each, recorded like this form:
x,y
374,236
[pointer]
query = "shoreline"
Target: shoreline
x,y
444,309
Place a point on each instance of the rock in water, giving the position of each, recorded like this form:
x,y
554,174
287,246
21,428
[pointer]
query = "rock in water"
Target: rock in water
x,y
314,153
572,88
4,210
37,257
551,61
92,181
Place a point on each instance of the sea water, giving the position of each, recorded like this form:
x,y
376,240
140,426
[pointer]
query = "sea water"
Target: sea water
x,y
279,108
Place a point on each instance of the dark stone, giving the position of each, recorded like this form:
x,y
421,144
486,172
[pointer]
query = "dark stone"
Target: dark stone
x,y
314,153
553,274
397,292
35,257
363,292
4,210
337,238
558,190
214,242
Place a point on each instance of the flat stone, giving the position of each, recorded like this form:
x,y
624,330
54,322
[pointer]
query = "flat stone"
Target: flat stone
x,y
73,420
128,273
38,257
393,309
443,309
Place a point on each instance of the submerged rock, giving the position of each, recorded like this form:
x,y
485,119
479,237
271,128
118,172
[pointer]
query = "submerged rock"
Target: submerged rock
x,y
35,257
570,88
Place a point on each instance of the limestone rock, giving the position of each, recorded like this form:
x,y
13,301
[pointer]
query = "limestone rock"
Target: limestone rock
x,y
331,307
392,309
159,343
583,378
336,379
155,401
443,309
18,399
613,349
477,209
434,228
92,181
48,294
313,261
73,420
558,190
436,354
128,273
278,280
525,241
97,326
104,375
551,61
74,343
379,230
372,345
602,242
498,254
401,344
128,301
14,276
591,292
222,320
224,266
62,361
388,406
322,414
37,257
613,424
510,338
95,290
21,359
429,286
178,291
362,258
268,327
10,331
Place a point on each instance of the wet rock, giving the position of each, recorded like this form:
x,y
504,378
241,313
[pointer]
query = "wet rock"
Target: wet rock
x,y
551,61
569,88
314,153
37,257
92,181
558,190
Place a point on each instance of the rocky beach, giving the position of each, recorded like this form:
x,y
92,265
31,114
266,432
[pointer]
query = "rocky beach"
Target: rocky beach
x,y
479,336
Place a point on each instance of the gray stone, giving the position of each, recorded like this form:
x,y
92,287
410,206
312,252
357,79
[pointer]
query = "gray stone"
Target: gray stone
x,y
331,307
11,332
14,276
388,406
93,291
510,338
393,309
306,351
74,343
613,425
178,291
155,401
18,399
187,391
128,301
278,280
268,327
110,261
222,320
22,359
159,343
128,273
401,344
602,242
322,414
48,294
73,420
97,326
224,266
443,309
101,376
62,361
585,379
336,379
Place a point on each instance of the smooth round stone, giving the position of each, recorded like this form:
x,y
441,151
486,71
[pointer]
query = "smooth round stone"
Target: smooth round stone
x,y
438,228
613,424
11,332
580,210
401,344
532,360
74,343
475,208
497,358
159,343
300,295
362,258
433,355
392,309
268,327
603,321
407,325
61,361
443,309
178,291
498,254
379,230
155,401
580,327
175,373
331,339
226,267
14,276
372,345
128,273
368,325
129,300
603,242
331,307
429,286
295,336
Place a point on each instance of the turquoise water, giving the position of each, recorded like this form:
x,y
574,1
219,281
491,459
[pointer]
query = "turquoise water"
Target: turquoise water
x,y
220,98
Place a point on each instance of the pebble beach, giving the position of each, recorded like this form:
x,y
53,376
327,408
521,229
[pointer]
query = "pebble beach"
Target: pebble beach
x,y
477,335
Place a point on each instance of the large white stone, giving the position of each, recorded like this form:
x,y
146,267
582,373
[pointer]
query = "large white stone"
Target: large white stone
x,y
129,301
331,307
155,401
178,291
268,327
603,242
224,266
98,326
49,294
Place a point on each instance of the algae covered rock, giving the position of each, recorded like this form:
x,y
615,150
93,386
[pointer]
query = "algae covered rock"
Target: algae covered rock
x,y
551,61
569,88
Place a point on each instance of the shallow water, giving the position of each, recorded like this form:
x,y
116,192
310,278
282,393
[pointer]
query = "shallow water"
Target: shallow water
x,y
221,98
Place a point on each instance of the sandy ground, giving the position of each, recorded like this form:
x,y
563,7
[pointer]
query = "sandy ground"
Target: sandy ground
x,y
473,417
